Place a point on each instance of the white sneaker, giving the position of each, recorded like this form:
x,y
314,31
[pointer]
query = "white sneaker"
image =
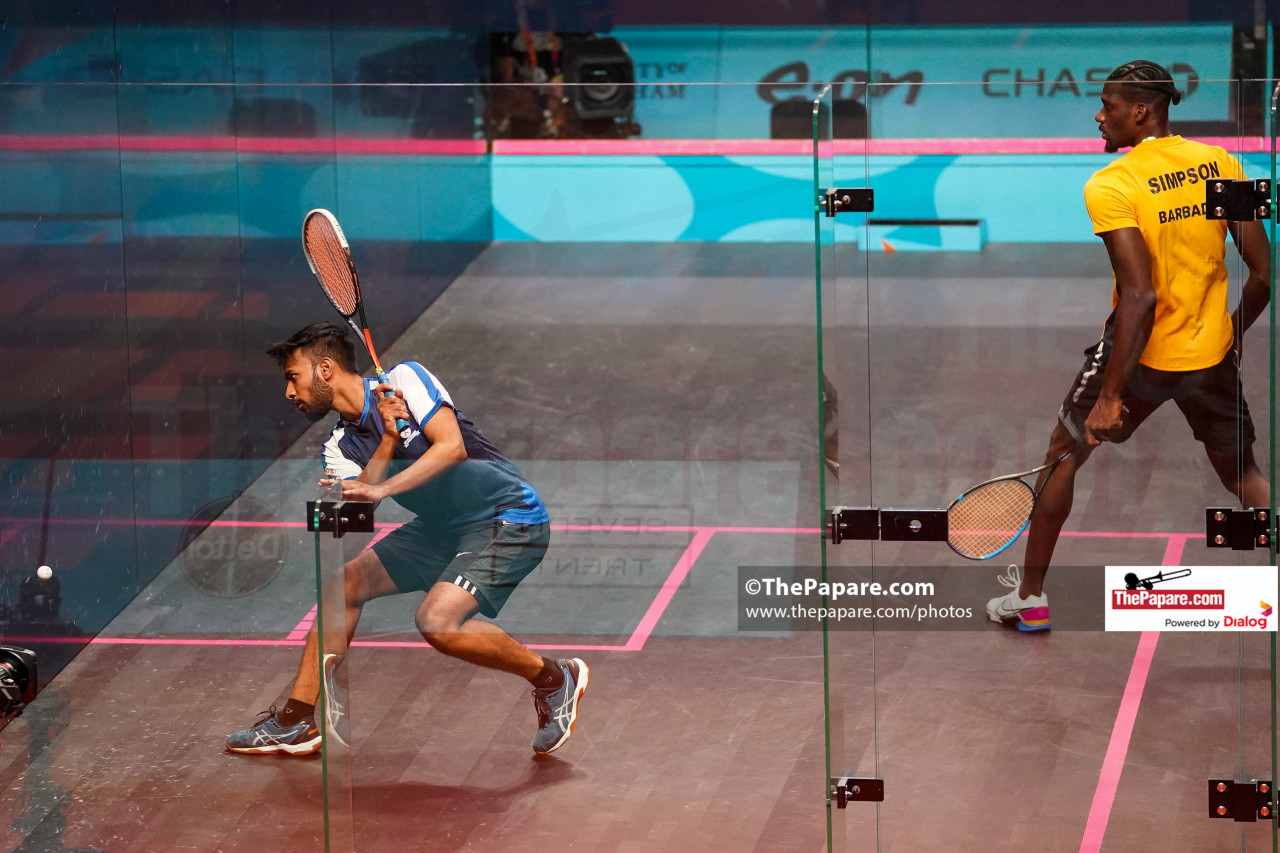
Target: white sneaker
x,y
1032,614
335,700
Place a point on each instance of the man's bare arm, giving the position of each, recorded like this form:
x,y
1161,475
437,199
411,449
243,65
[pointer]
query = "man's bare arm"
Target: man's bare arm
x,y
1134,316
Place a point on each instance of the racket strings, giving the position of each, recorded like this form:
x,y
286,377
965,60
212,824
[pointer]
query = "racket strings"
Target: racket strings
x,y
987,519
333,267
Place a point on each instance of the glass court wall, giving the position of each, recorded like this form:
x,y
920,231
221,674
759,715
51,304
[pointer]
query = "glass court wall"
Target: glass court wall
x,y
632,319
606,366
151,236
946,345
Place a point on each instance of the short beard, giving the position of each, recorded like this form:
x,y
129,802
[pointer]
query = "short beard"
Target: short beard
x,y
323,393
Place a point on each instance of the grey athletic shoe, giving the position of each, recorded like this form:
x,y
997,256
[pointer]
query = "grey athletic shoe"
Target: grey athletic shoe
x,y
267,736
558,708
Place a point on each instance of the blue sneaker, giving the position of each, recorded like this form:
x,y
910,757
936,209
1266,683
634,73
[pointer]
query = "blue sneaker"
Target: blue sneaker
x,y
558,708
267,735
335,701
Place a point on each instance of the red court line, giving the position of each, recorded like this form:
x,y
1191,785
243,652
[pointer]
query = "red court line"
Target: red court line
x,y
659,605
149,641
634,644
582,147
1173,551
242,144
421,644
642,632
385,644
679,528
392,525
1122,730
300,630
844,147
702,535
602,528
653,147
1113,764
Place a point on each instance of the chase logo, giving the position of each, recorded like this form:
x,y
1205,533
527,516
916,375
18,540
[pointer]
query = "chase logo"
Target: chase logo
x,y
1266,608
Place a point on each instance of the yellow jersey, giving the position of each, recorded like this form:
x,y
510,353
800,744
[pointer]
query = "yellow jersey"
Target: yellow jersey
x,y
1158,188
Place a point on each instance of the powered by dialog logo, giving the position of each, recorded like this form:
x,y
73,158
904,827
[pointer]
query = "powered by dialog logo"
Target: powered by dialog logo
x,y
1258,622
1210,598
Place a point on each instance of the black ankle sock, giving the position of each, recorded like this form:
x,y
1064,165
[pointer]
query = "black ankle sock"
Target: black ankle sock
x,y
294,711
551,676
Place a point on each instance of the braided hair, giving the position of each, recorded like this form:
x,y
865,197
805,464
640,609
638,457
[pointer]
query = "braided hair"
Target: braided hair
x,y
1145,76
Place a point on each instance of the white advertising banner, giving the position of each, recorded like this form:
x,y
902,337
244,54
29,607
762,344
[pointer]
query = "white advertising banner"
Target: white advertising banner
x,y
1190,598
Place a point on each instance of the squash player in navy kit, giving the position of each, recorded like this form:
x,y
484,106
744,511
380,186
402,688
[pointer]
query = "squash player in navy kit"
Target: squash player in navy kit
x,y
479,529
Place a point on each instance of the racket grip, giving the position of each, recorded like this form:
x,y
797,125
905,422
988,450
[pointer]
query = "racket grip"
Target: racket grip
x,y
401,423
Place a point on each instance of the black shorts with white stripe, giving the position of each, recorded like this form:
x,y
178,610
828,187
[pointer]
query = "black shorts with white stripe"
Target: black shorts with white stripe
x,y
1211,399
487,559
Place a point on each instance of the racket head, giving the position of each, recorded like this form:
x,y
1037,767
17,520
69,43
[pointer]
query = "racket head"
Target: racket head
x,y
989,517
329,256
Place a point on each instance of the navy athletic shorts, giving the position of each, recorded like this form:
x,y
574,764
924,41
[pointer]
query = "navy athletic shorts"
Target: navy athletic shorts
x,y
487,559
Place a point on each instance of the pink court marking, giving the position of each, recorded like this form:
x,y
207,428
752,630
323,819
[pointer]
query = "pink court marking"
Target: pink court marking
x,y
638,637
241,145
419,644
842,147
386,527
642,632
1121,733
383,644
659,605
300,630
1122,730
145,641
582,147
636,642
1173,551
679,528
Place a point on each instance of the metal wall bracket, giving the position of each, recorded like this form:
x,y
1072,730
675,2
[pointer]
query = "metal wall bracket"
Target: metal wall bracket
x,y
844,522
1238,529
907,525
1238,201
886,525
340,517
847,790
837,200
1241,800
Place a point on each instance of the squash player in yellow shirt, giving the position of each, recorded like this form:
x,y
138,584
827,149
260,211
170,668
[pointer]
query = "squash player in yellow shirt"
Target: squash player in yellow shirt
x,y
1169,336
